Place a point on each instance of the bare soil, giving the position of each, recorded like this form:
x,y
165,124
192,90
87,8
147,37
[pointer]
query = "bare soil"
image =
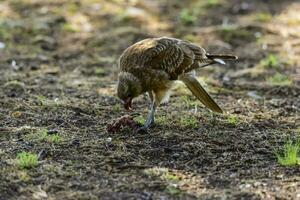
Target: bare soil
x,y
58,71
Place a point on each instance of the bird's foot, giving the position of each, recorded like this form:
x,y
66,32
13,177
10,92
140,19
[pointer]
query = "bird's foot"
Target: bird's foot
x,y
149,123
144,129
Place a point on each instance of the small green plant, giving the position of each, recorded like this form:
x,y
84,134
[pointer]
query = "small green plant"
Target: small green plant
x,y
163,173
140,120
72,8
189,102
166,175
191,38
43,136
263,17
233,120
40,135
290,155
100,71
170,177
23,175
117,107
212,3
189,121
229,34
27,160
272,61
42,99
190,15
162,120
187,16
69,28
55,138
173,190
279,80
48,103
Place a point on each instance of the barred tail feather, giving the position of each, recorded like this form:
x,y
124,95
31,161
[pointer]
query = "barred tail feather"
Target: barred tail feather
x,y
195,87
222,56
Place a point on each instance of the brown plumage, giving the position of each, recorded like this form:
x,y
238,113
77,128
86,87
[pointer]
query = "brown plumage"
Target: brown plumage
x,y
152,65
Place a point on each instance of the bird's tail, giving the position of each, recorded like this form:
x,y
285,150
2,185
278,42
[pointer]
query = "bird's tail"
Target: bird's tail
x,y
195,87
222,56
219,58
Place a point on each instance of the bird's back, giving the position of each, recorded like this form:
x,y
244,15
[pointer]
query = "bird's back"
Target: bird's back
x,y
141,52
171,55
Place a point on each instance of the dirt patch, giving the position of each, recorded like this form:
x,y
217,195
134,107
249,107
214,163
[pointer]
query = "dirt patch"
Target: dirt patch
x,y
57,96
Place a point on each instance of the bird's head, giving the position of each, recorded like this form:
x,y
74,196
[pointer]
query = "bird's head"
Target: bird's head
x,y
129,87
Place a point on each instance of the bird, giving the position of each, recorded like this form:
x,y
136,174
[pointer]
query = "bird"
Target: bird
x,y
153,65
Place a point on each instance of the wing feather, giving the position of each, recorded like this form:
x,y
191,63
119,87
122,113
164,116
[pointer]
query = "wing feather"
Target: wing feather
x,y
195,87
168,58
171,55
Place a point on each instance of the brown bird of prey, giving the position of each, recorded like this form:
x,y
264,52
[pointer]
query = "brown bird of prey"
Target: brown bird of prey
x,y
153,65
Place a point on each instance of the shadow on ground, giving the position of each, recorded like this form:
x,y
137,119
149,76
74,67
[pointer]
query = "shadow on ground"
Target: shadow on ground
x,y
58,73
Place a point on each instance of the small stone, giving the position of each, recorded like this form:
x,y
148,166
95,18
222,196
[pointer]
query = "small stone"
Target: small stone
x,y
14,65
2,45
280,176
245,186
254,95
256,184
258,34
135,12
232,175
226,78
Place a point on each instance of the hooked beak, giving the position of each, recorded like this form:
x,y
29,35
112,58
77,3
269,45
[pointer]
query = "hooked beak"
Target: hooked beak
x,y
128,104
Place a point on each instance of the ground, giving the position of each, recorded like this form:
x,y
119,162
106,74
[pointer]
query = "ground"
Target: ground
x,y
58,64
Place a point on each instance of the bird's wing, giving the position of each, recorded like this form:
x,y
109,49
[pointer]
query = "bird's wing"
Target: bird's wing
x,y
175,56
200,53
139,53
195,87
158,53
166,55
171,55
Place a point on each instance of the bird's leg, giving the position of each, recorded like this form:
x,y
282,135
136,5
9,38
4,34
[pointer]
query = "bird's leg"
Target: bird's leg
x,y
156,98
150,96
150,118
